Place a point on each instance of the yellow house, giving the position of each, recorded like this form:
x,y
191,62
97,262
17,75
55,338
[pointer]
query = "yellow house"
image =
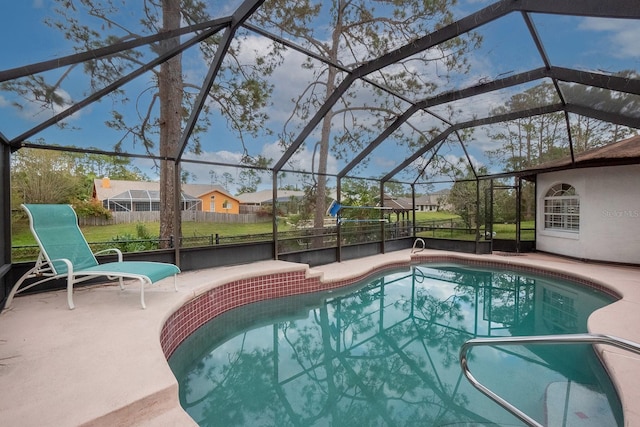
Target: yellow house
x,y
128,196
215,199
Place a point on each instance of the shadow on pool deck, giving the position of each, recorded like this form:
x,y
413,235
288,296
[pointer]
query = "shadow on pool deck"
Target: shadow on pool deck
x,y
102,364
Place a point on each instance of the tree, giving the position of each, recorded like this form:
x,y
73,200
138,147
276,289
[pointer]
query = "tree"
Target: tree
x,y
250,178
240,94
463,198
527,141
360,192
358,32
533,140
91,166
588,133
42,176
395,189
52,176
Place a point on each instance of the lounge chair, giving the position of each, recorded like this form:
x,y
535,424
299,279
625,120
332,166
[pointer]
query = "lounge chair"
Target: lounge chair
x,y
64,252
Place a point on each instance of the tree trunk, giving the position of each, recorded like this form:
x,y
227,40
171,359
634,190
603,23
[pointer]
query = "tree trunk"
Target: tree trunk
x,y
321,190
170,94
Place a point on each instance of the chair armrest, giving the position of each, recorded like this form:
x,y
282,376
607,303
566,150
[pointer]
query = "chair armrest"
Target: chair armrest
x,y
116,250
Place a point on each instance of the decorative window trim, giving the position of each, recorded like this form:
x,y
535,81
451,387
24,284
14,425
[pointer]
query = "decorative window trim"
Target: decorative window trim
x,y
561,209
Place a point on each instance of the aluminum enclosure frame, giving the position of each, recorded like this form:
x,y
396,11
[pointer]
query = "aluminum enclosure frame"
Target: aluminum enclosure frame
x,y
627,9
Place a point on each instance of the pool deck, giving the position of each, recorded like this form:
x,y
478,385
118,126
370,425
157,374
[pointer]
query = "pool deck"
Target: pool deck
x,y
102,364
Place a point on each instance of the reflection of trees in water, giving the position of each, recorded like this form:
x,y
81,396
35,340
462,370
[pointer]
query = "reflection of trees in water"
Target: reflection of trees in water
x,y
240,392
353,366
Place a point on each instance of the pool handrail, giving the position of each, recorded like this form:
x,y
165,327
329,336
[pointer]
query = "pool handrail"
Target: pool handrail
x,y
415,242
535,339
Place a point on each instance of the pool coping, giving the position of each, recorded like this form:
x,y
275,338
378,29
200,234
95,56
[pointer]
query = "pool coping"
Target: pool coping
x,y
48,353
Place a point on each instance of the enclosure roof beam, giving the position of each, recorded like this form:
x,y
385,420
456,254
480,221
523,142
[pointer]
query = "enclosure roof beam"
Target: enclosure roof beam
x,y
317,57
593,8
603,81
426,165
442,99
462,26
514,115
242,13
472,123
533,32
448,32
112,87
198,105
379,139
514,80
605,116
441,137
28,70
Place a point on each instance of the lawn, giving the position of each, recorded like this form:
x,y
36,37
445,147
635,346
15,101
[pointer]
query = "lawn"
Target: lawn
x,y
21,235
502,231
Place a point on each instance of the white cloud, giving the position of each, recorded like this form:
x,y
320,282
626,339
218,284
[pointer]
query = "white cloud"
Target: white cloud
x,y
302,160
623,35
34,112
385,163
201,173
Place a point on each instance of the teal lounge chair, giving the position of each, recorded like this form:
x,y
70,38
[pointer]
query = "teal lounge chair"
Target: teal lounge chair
x,y
64,252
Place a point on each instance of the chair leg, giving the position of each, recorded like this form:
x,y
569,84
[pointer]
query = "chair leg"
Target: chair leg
x,y
142,293
15,288
175,282
70,292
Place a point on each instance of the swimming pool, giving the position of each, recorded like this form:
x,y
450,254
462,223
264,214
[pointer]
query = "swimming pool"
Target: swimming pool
x,y
384,352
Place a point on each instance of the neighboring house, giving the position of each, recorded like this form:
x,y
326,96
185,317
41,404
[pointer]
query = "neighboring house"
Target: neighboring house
x,y
288,200
127,196
214,198
426,203
434,202
265,197
591,209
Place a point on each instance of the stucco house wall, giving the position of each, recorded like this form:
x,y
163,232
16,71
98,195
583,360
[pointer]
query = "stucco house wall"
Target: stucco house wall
x,y
216,201
609,214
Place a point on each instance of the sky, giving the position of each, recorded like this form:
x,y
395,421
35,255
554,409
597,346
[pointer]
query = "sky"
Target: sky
x,y
602,45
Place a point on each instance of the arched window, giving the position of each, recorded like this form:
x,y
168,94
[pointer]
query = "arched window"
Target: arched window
x,y
562,208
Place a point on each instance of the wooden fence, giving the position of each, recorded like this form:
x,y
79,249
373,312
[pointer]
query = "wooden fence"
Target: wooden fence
x,y
187,216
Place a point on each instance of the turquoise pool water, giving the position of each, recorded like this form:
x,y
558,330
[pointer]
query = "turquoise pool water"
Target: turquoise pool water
x,y
384,352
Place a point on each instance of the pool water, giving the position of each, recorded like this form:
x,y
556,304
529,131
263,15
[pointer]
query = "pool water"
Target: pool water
x,y
384,352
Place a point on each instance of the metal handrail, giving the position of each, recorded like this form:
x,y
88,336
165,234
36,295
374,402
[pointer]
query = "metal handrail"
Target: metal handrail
x,y
415,242
539,339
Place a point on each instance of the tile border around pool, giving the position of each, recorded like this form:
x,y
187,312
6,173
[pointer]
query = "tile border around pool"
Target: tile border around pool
x,y
196,312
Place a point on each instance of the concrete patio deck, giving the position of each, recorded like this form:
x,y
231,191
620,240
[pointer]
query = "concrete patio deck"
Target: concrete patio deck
x,y
102,364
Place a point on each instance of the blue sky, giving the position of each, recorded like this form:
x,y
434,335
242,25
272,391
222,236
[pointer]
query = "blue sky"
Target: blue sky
x,y
582,43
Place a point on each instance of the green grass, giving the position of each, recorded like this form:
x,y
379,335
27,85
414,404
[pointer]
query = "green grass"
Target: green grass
x,y
503,231
434,216
508,231
21,235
